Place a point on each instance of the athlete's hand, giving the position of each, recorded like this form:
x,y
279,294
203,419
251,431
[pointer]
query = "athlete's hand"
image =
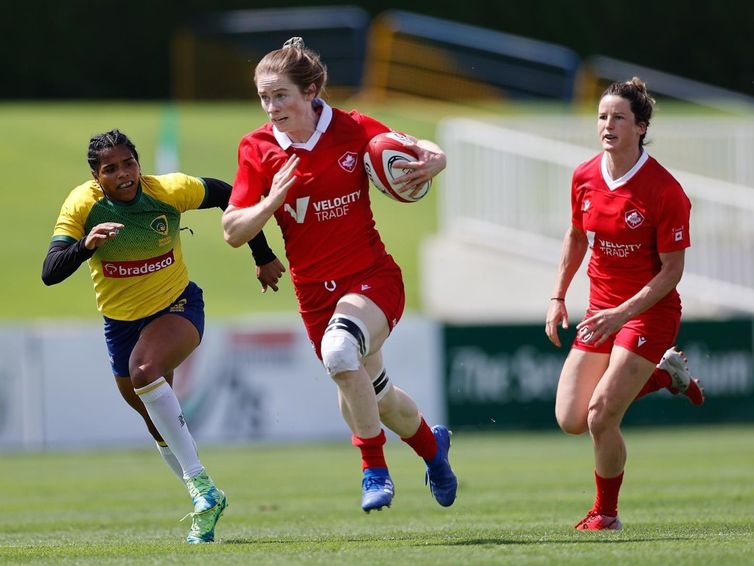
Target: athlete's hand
x,y
599,326
269,274
556,314
428,164
284,180
101,233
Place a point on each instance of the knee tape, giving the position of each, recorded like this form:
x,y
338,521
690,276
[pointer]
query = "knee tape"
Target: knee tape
x,y
381,384
344,344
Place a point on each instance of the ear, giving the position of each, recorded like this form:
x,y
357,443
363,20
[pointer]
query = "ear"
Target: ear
x,y
94,175
642,126
310,92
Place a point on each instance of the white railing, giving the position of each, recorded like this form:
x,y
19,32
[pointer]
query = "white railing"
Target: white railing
x,y
510,190
716,146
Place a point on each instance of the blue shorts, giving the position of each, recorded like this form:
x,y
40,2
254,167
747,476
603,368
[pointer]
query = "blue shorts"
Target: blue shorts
x,y
121,335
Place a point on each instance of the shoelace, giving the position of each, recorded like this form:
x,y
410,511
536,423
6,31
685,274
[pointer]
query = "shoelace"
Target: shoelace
x,y
586,519
590,516
375,482
196,514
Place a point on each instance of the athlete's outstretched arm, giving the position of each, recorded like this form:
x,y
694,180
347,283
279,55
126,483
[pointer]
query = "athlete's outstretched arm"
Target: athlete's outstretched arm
x,y
218,195
269,268
242,224
63,259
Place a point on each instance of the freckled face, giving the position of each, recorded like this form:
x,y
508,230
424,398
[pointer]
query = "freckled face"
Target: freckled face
x,y
118,173
289,109
616,125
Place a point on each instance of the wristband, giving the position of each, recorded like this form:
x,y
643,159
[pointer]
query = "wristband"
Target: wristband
x,y
557,299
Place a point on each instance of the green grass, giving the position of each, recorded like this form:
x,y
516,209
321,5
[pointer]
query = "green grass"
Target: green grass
x,y
43,156
687,499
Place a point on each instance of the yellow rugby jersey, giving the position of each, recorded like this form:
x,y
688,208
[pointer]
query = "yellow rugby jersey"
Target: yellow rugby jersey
x,y
141,270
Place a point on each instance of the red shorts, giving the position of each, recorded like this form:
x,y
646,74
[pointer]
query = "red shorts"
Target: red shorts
x,y
382,284
648,335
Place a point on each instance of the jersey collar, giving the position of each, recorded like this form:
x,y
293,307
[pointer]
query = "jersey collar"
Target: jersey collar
x,y
613,184
323,123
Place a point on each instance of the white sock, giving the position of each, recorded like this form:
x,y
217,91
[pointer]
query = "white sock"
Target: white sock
x,y
170,460
165,411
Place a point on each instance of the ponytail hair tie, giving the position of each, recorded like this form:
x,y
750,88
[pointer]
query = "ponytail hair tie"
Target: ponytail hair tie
x,y
295,42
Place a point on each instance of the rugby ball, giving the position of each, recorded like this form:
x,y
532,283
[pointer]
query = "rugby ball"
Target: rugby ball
x,y
382,159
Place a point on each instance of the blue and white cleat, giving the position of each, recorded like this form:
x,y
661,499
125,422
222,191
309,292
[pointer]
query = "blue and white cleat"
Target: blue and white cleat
x,y
442,481
377,489
209,504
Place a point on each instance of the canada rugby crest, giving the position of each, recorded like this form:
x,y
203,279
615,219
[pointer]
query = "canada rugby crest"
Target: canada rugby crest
x,y
634,218
348,161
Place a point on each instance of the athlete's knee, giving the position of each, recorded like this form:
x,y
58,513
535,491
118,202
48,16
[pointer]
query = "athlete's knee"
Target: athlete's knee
x,y
144,372
570,415
344,344
602,417
138,372
571,423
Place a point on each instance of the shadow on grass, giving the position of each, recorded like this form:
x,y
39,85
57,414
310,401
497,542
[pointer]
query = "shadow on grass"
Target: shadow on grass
x,y
411,541
601,540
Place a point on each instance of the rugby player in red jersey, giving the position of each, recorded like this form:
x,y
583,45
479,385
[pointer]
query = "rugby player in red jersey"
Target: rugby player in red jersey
x,y
305,168
634,217
127,227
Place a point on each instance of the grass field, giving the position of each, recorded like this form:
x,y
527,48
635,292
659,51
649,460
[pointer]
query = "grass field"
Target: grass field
x,y
688,498
43,156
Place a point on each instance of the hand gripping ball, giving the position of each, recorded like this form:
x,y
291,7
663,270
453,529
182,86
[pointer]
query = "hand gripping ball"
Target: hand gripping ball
x,y
383,152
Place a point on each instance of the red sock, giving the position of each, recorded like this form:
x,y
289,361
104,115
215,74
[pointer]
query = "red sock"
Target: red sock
x,y
372,455
423,442
606,500
660,379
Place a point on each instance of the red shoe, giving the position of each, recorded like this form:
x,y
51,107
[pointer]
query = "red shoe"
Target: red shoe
x,y
674,363
596,522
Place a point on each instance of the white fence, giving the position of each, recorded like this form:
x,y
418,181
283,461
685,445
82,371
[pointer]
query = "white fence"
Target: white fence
x,y
510,190
721,147
247,381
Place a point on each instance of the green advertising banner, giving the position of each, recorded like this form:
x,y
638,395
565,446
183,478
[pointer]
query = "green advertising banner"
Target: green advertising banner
x,y
505,376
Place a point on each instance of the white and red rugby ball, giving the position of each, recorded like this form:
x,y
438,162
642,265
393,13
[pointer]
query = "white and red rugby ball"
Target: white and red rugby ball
x,y
382,152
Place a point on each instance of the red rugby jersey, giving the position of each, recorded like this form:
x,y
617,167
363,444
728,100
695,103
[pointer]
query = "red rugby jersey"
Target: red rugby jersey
x,y
628,222
326,220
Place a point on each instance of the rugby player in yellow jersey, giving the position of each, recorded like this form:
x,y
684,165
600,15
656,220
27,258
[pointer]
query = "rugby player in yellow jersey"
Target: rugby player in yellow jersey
x,y
127,226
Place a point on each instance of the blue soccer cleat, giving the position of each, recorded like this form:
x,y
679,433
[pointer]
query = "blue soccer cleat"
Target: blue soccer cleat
x,y
209,504
442,481
377,489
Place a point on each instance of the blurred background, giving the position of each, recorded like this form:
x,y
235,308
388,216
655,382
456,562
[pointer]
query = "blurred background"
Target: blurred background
x,y
509,90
